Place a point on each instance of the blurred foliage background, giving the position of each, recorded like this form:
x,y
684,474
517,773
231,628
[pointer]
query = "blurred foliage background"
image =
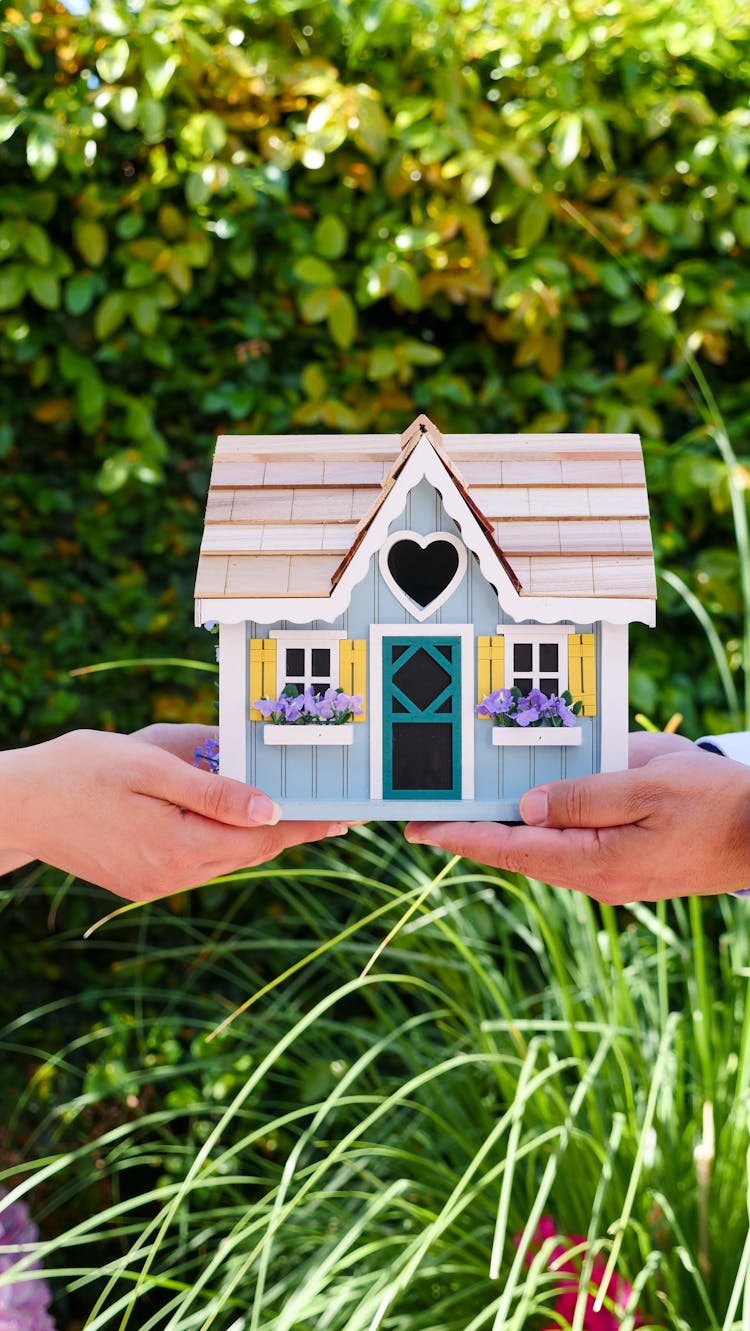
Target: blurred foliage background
x,y
259,217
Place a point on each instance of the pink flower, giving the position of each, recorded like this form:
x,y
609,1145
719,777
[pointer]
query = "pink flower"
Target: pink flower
x,y
568,1272
23,1305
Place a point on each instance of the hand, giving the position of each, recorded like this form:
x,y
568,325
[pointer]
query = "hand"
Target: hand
x,y
130,812
676,824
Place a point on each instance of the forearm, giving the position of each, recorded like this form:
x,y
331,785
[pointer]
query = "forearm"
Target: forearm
x,y
16,798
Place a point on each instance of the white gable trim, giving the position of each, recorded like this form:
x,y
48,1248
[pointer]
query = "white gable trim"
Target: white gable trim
x,y
424,464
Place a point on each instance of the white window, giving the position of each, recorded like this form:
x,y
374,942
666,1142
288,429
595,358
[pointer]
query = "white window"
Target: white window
x,y
307,660
536,658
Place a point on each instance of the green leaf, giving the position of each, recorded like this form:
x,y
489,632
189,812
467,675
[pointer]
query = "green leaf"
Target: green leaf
x,y
10,238
477,179
741,224
72,365
8,127
614,280
342,319
664,217
404,284
124,108
114,472
532,223
565,145
517,168
314,271
44,286
330,238
113,61
421,353
315,305
242,262
37,244
159,75
41,151
203,135
91,400
91,241
197,190
382,363
314,382
152,119
110,314
12,286
145,312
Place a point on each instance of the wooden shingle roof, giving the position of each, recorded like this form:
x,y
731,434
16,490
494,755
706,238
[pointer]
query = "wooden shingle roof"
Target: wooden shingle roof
x,y
568,514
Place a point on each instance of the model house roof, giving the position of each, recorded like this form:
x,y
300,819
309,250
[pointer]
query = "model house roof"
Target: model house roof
x,y
566,514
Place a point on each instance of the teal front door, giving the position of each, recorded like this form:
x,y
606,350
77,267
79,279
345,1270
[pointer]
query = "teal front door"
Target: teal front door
x,y
422,718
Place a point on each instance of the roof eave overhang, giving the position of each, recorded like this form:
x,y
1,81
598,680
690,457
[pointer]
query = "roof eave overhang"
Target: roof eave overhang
x,y
424,463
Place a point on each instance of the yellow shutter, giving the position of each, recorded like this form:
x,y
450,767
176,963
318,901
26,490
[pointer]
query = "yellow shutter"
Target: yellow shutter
x,y
582,671
262,672
353,669
490,666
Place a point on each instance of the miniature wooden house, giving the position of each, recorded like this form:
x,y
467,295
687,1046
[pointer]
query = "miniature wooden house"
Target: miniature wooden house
x,y
422,574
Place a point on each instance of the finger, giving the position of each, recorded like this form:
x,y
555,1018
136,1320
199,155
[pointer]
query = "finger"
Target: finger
x,y
643,746
181,740
612,799
234,848
216,797
566,858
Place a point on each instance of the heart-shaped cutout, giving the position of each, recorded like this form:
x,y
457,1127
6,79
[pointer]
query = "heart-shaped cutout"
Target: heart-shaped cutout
x,y
422,571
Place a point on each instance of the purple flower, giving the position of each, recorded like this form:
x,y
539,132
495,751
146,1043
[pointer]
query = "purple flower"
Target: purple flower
x,y
495,704
509,707
23,1305
333,707
526,716
209,755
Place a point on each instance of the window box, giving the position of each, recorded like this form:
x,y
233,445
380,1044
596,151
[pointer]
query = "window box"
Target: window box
x,y
316,735
544,735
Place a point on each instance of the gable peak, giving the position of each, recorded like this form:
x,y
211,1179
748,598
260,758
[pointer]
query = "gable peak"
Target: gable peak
x,y
420,427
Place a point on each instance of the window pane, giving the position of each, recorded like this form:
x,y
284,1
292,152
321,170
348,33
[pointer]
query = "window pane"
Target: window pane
x,y
522,656
295,661
525,685
548,656
549,684
321,661
319,686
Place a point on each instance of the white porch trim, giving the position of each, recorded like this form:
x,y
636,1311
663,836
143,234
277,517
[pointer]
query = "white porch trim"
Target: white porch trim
x,y
234,685
612,703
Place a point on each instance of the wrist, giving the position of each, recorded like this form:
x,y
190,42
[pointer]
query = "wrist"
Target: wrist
x,y
17,784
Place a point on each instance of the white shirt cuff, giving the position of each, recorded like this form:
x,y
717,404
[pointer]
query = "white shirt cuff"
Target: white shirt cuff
x,y
735,746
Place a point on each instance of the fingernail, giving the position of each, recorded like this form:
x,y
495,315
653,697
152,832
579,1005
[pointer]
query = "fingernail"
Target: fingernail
x,y
534,807
261,809
337,829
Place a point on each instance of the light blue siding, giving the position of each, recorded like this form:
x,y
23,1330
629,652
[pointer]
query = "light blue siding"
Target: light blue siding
x,y
335,782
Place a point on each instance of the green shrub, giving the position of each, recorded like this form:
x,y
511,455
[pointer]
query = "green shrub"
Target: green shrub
x,y
325,217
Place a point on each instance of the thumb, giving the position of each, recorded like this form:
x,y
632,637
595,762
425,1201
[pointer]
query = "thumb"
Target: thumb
x,y
613,799
216,797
